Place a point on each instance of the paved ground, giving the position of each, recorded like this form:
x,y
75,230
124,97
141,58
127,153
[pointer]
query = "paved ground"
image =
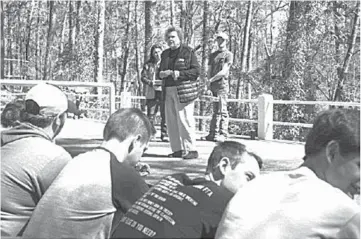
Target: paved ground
x,y
81,135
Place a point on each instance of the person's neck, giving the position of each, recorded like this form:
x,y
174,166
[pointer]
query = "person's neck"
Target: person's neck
x,y
315,164
47,130
175,48
210,177
222,48
119,149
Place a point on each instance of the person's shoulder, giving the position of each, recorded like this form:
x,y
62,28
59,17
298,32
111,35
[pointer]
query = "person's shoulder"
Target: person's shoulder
x,y
166,52
188,49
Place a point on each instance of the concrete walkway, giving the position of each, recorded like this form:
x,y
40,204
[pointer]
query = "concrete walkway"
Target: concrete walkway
x,y
82,135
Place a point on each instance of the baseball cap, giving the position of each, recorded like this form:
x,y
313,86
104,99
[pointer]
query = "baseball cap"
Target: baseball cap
x,y
222,35
50,99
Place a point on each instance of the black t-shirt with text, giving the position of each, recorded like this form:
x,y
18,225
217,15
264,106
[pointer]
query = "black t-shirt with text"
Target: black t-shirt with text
x,y
176,207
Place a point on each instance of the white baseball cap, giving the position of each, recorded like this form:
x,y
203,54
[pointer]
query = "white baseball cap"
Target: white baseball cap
x,y
50,99
222,35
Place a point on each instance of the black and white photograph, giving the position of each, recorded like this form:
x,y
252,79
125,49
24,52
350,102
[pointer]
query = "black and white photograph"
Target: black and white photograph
x,y
180,119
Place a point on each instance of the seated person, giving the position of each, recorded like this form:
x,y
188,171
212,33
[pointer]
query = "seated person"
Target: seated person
x,y
178,207
30,160
82,202
313,201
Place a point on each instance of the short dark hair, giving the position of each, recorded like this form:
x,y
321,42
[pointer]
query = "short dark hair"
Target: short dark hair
x,y
232,150
174,29
342,125
126,122
31,114
11,114
151,57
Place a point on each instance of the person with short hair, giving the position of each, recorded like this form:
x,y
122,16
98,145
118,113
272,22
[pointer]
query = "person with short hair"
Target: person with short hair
x,y
219,65
96,188
313,201
153,89
179,207
179,70
30,161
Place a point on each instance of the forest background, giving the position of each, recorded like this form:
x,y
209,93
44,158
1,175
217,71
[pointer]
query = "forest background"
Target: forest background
x,y
294,50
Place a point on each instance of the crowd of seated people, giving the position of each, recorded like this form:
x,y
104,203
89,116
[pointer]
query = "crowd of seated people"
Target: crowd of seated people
x,y
101,193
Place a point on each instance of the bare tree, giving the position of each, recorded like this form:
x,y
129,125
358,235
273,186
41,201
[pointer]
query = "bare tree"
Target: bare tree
x,y
126,47
205,53
341,71
48,40
2,41
148,27
99,42
172,17
246,37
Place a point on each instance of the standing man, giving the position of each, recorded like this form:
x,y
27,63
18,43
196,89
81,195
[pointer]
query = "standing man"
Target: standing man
x,y
153,90
179,69
313,201
179,207
96,188
30,161
219,64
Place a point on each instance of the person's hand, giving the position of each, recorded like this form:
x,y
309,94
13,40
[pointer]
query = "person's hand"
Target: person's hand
x,y
143,169
165,73
208,92
175,75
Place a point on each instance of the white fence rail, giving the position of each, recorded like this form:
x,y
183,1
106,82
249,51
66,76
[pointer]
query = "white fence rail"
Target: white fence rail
x,y
265,104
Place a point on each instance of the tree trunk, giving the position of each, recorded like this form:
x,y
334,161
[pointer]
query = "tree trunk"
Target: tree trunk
x,y
62,38
183,16
341,71
28,30
204,65
126,48
148,27
244,54
136,47
172,18
37,49
99,42
2,41
71,28
48,40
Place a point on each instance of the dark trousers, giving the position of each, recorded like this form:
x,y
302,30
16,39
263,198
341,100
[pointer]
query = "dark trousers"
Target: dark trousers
x,y
153,105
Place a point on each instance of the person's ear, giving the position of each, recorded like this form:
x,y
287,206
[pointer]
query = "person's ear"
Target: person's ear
x,y
224,163
134,143
332,150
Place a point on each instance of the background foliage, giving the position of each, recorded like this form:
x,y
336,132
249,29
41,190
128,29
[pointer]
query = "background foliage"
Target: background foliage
x,y
295,50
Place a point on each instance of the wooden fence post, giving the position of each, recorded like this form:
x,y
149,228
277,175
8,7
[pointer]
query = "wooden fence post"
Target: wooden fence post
x,y
265,117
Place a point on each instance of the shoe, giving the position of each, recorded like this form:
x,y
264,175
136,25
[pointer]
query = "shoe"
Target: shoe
x,y
164,138
220,138
208,138
176,154
191,155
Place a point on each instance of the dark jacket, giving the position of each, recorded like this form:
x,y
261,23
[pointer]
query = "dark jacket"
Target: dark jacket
x,y
186,63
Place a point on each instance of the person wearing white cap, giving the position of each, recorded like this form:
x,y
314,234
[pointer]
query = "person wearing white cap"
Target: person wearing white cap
x,y
219,64
30,161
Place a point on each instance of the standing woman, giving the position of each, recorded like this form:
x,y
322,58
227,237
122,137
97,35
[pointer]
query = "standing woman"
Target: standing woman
x,y
153,89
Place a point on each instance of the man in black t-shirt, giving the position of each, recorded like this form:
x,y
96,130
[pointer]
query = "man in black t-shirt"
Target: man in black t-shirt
x,y
179,207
